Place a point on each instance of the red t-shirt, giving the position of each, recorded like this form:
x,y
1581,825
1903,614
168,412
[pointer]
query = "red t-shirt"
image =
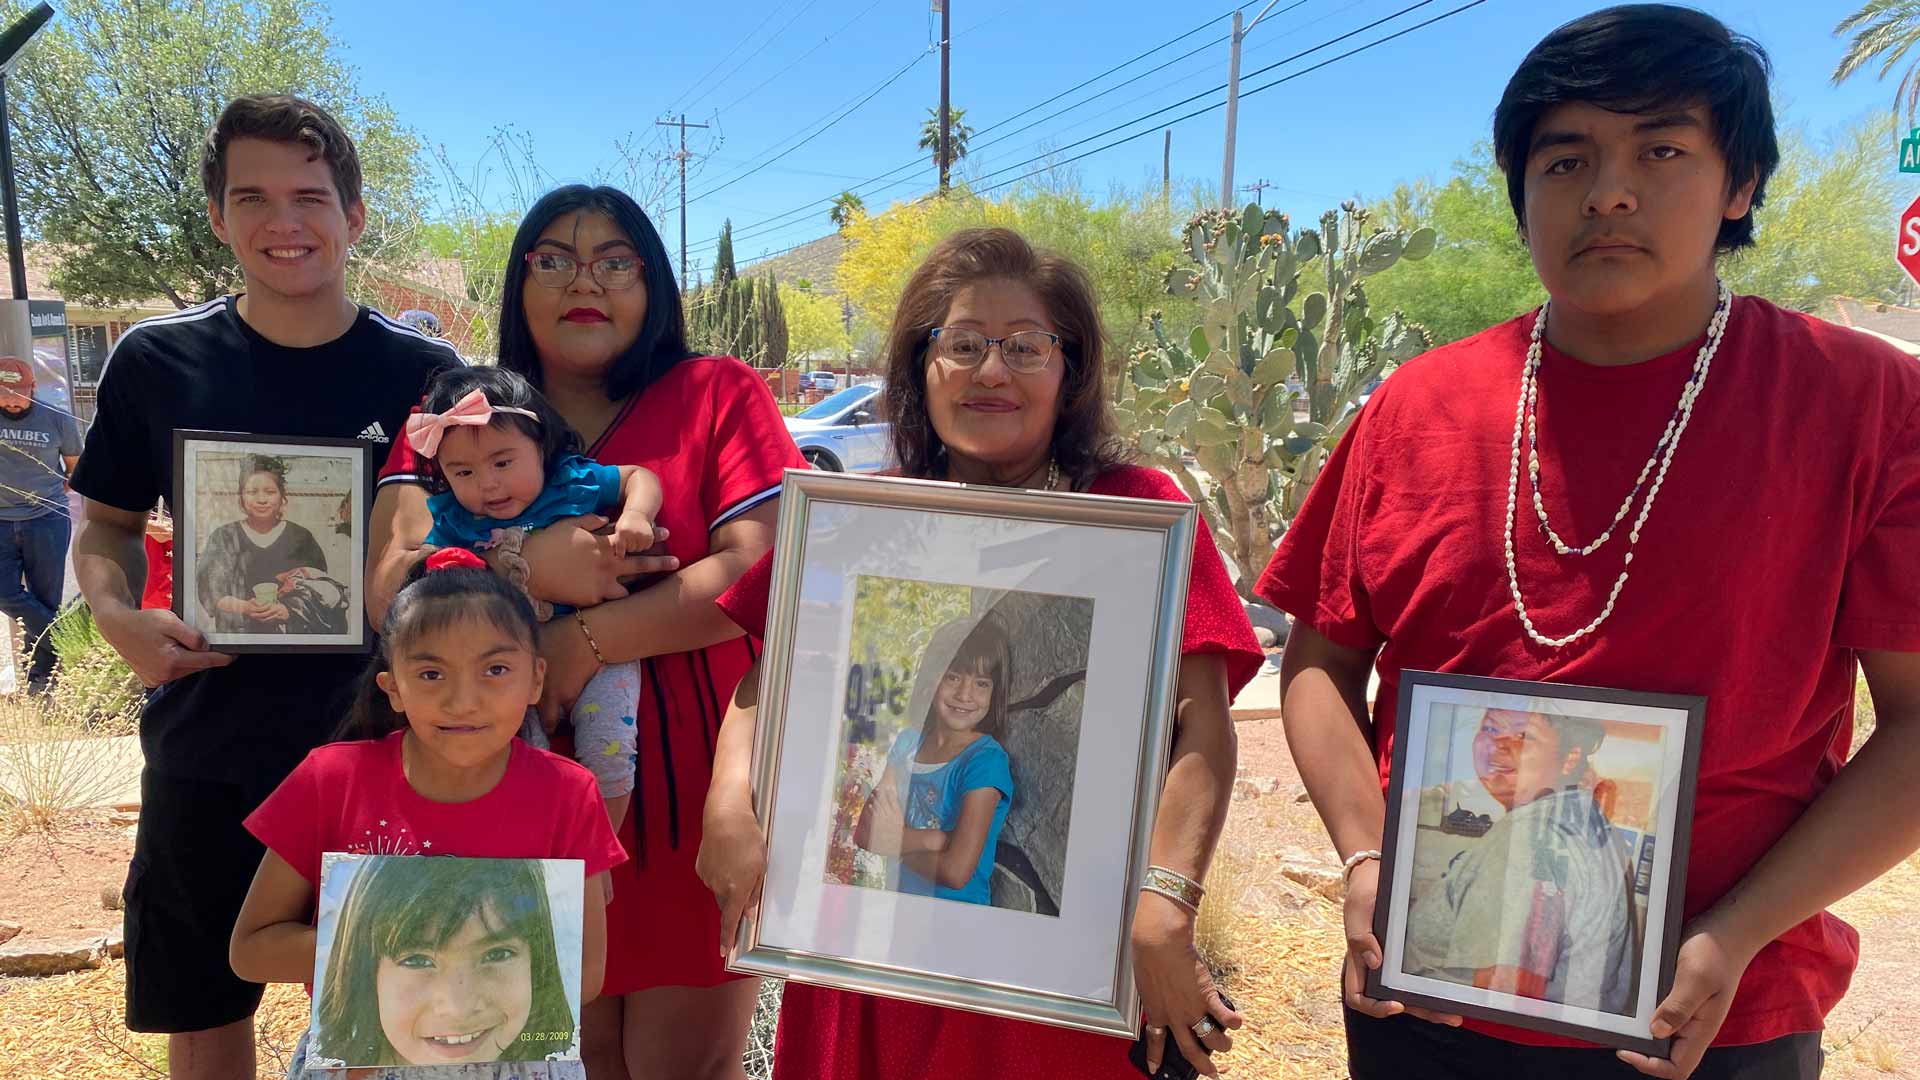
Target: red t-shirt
x,y
1786,536
847,1036
353,797
159,590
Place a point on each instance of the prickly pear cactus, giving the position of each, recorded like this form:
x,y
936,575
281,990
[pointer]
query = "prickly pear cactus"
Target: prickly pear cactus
x,y
1263,388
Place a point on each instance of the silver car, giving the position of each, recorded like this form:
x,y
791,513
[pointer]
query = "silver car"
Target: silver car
x,y
841,433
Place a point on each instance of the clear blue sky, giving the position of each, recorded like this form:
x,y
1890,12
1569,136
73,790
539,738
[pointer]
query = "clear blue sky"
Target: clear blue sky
x,y
576,78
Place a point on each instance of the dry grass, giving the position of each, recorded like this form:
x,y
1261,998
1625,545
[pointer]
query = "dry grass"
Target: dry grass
x,y
47,767
71,1026
1878,1051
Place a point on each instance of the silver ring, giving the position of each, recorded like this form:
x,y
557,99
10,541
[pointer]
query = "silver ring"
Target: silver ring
x,y
1205,1027
1156,1030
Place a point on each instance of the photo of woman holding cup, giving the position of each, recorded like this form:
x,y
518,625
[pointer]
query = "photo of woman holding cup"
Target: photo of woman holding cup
x,y
247,564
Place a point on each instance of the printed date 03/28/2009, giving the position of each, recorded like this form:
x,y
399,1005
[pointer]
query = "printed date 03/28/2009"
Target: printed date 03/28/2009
x,y
544,1036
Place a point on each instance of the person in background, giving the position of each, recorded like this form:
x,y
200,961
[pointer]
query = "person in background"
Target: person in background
x,y
282,181
38,446
1647,484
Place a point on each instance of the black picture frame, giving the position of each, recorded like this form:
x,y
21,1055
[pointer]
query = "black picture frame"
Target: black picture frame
x,y
345,631
1390,980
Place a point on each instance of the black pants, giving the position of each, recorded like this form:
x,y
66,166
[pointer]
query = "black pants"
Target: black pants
x,y
1400,1047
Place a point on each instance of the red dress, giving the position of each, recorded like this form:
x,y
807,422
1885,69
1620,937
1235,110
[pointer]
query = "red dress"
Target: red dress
x,y
842,1035
713,434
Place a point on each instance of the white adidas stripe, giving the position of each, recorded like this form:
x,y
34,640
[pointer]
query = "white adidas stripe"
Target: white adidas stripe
x,y
193,314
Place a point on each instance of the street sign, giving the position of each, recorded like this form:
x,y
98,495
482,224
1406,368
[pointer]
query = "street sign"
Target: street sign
x,y
1907,250
1910,152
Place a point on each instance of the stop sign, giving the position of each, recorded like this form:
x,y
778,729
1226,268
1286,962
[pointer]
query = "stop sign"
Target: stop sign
x,y
1907,252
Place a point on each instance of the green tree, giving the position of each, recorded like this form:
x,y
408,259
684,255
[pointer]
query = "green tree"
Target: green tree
x,y
1883,30
1824,229
846,206
1480,274
957,135
111,107
815,329
724,272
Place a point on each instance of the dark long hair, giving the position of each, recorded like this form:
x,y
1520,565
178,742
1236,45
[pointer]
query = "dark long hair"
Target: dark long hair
x,y
1084,439
433,600
550,433
1641,58
981,646
398,903
663,333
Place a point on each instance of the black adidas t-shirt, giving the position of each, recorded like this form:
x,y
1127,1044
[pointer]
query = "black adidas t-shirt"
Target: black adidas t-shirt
x,y
204,368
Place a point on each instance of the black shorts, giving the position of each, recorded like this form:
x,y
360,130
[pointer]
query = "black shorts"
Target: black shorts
x,y
192,864
1403,1046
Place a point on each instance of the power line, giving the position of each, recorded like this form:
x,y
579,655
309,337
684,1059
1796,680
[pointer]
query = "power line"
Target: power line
x,y
798,59
1216,105
895,77
747,59
718,64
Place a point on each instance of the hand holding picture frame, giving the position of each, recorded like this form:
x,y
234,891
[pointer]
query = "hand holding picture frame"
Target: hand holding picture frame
x,y
431,961
965,717
270,541
1535,854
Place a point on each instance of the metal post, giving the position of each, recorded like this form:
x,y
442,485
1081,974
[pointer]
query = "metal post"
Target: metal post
x,y
1233,113
946,118
16,251
1166,170
682,156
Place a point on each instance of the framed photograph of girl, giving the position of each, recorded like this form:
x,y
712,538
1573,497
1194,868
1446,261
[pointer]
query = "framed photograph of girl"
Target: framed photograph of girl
x,y
270,541
425,960
965,716
1535,854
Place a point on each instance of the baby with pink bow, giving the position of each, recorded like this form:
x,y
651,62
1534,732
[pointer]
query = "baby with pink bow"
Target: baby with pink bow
x,y
504,463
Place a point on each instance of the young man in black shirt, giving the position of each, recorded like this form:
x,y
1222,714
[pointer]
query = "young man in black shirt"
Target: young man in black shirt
x,y
292,355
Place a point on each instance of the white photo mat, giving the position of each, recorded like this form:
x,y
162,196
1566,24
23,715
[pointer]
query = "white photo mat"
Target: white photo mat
x,y
989,959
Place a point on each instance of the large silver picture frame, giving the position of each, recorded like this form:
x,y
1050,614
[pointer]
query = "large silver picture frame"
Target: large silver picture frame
x,y
1040,528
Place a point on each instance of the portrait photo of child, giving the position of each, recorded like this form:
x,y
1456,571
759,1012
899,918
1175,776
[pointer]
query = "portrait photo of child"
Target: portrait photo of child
x,y
960,734
426,960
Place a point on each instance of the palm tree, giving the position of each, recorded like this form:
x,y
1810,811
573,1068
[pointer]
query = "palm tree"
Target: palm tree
x,y
957,136
846,206
1885,30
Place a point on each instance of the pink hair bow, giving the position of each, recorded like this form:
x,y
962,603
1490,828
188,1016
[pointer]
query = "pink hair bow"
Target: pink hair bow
x,y
425,430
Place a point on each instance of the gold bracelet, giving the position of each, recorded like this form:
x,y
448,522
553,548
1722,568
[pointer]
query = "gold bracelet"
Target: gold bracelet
x,y
581,618
1174,886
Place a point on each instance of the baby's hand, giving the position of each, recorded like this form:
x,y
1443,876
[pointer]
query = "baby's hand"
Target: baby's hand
x,y
633,533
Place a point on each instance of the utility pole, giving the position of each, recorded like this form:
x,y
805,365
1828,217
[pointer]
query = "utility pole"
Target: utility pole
x,y
1166,170
1259,189
1233,98
682,158
946,56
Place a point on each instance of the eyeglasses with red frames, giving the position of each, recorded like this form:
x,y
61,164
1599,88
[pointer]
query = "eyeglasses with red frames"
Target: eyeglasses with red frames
x,y
557,269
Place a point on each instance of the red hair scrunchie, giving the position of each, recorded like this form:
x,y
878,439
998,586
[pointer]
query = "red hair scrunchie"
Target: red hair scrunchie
x,y
447,558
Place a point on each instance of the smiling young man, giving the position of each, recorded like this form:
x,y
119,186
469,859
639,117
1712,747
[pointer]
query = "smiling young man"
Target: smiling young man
x,y
289,356
1654,486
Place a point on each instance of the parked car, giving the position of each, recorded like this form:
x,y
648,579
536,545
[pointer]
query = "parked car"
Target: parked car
x,y
842,433
819,380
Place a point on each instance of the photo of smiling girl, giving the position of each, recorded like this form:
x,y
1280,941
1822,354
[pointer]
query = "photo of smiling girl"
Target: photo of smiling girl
x,y
944,795
437,961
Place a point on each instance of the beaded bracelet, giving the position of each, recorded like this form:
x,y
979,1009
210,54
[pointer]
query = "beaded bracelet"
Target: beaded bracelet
x,y
1353,860
588,634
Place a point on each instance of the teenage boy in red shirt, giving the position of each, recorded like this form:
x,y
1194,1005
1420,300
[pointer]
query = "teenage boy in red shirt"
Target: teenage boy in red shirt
x,y
1773,548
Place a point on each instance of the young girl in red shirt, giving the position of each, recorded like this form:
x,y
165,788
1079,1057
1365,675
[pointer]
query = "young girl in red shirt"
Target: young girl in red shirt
x,y
432,768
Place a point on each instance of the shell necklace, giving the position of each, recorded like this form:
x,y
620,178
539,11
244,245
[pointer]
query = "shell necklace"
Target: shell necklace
x,y
1525,422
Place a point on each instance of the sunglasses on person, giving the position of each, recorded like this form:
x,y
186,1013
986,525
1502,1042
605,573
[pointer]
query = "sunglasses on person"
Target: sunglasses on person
x,y
557,270
1026,352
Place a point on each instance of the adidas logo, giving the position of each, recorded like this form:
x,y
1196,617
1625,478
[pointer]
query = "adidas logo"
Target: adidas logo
x,y
375,433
